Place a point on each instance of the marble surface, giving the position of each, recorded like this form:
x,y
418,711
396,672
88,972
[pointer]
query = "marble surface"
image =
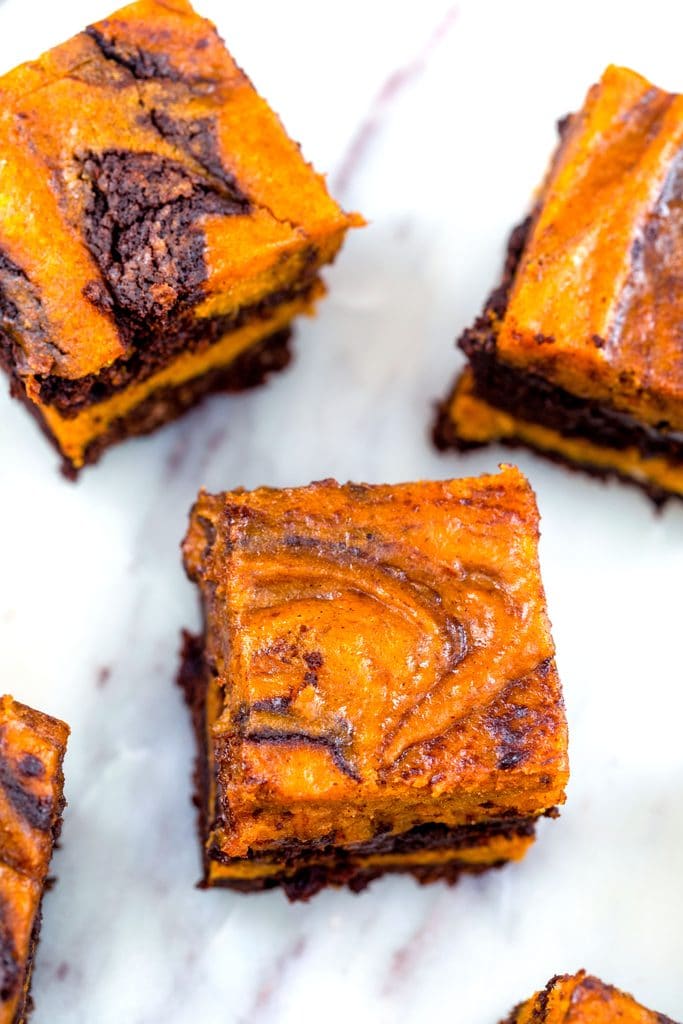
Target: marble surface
x,y
436,122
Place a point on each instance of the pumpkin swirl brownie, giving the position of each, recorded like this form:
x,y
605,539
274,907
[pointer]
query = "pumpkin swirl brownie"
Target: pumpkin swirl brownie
x,y
158,229
375,689
579,351
582,999
32,747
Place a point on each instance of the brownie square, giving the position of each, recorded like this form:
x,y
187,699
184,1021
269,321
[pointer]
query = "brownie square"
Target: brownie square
x,y
375,689
582,999
579,351
158,229
32,747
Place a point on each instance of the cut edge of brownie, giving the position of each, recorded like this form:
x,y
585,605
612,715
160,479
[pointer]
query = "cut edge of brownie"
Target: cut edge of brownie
x,y
533,399
70,397
26,1005
247,370
304,881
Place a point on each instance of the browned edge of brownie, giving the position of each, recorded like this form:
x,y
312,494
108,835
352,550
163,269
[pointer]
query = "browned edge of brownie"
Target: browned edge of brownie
x,y
248,370
540,1009
541,1001
529,397
25,1006
309,878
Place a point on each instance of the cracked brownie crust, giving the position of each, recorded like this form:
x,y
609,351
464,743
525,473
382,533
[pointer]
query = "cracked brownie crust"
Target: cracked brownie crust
x,y
368,695
189,225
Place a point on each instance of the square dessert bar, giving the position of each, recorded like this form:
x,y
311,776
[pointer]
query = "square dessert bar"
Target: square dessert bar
x,y
375,689
32,747
582,999
158,229
579,351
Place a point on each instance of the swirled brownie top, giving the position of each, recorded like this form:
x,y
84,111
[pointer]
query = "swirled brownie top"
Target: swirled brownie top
x,y
383,655
583,999
143,181
32,747
597,302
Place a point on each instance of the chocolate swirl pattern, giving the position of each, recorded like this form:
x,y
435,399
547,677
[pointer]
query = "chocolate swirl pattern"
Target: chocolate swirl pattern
x,y
445,620
376,657
32,747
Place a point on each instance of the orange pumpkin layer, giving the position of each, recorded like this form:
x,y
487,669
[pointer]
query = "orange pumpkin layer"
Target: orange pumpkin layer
x,y
582,999
476,422
32,747
150,201
380,659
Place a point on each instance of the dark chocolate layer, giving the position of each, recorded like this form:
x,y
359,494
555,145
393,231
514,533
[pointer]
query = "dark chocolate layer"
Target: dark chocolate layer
x,y
529,397
140,224
302,873
248,370
165,404
142,64
154,351
308,881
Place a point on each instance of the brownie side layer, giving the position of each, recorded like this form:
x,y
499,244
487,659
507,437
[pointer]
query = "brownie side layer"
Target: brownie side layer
x,y
156,350
248,370
25,1006
308,881
168,403
529,397
303,875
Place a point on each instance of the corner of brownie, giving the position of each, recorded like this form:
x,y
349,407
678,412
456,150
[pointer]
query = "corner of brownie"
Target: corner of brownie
x,y
577,352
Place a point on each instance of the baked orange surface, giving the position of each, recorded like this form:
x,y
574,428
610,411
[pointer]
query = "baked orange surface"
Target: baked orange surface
x,y
582,999
377,677
32,747
582,344
597,302
151,207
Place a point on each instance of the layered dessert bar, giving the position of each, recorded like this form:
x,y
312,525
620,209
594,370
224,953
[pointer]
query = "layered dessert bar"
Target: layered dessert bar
x,y
579,351
582,999
375,688
32,747
158,229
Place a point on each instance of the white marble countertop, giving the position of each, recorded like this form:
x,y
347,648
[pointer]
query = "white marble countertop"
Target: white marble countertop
x,y
436,122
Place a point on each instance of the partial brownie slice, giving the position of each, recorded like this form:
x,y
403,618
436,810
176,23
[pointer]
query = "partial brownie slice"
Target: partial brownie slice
x,y
375,689
579,352
582,999
32,747
158,229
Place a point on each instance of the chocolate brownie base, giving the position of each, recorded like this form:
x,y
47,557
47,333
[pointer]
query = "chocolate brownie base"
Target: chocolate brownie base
x,y
303,875
155,351
311,880
248,370
529,397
